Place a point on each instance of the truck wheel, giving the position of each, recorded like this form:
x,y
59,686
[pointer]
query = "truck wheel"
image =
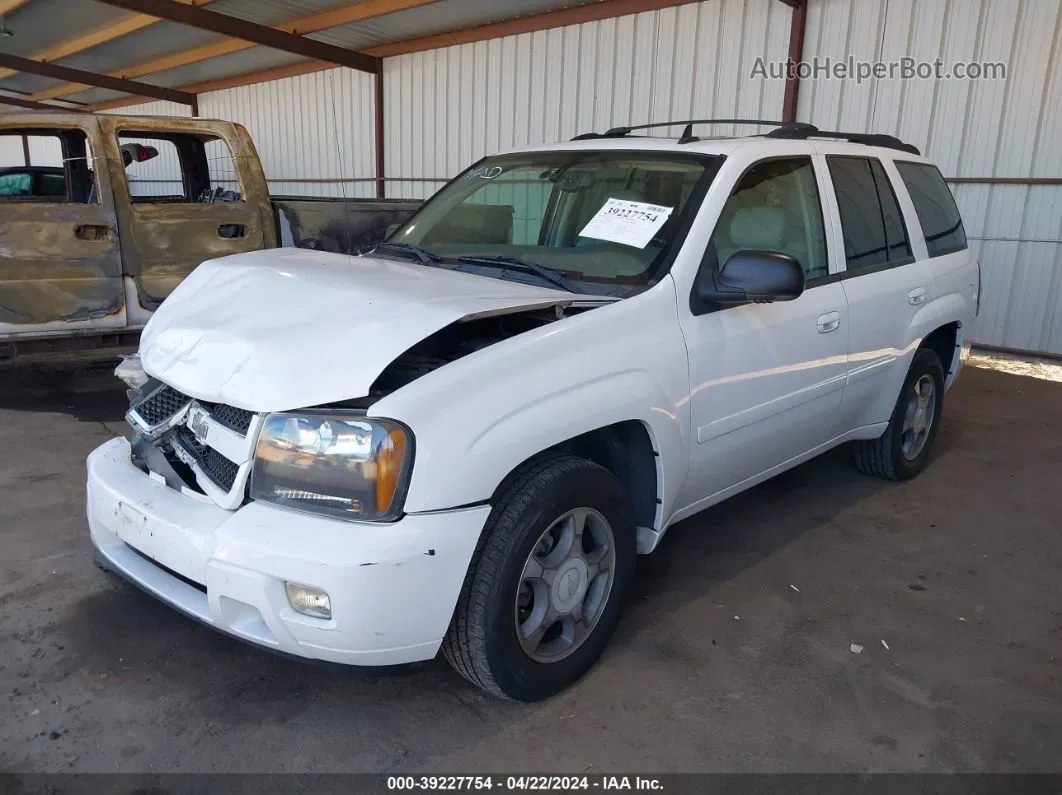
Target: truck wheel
x,y
545,588
902,451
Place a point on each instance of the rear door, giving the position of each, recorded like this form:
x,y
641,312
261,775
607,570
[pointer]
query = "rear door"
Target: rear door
x,y
60,263
187,190
885,285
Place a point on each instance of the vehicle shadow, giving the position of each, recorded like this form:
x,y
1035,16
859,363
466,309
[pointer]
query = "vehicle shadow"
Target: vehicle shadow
x,y
88,392
699,554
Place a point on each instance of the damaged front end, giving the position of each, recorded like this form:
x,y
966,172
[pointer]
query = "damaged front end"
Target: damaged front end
x,y
206,449
459,340
196,447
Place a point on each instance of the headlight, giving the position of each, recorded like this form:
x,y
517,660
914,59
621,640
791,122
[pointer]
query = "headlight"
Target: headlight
x,y
334,463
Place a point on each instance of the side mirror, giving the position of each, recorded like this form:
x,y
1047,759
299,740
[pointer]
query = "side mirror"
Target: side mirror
x,y
753,276
137,153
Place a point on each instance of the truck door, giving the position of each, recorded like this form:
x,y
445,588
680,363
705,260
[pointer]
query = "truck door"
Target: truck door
x,y
187,190
60,263
767,378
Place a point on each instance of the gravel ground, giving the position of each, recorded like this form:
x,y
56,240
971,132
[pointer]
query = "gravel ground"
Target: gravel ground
x,y
736,654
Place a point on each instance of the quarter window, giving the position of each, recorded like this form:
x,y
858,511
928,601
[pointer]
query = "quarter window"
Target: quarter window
x,y
775,207
935,208
871,222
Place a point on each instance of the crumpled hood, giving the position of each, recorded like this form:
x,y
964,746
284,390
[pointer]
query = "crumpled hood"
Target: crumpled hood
x,y
288,328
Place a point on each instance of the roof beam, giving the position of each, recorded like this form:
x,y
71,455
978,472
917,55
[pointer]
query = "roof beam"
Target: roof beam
x,y
93,38
572,15
30,105
344,15
7,6
591,12
250,31
93,79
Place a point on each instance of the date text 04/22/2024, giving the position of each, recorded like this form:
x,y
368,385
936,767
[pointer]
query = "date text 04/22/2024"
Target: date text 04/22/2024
x,y
522,783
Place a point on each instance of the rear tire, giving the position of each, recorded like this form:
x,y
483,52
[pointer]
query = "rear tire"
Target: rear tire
x,y
491,639
903,450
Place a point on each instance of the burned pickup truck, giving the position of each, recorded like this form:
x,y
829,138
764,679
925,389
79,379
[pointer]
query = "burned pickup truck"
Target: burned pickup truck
x,y
102,216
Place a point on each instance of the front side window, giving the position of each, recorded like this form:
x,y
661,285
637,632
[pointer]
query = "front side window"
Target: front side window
x,y
871,222
46,166
775,207
178,168
605,221
934,207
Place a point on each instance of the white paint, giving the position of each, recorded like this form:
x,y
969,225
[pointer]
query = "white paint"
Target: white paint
x,y
375,581
197,344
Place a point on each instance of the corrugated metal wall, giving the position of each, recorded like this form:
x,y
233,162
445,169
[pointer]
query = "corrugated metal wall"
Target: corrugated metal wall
x,y
445,108
312,131
158,108
44,150
971,128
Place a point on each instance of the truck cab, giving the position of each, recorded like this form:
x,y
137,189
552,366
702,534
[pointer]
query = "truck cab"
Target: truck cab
x,y
93,239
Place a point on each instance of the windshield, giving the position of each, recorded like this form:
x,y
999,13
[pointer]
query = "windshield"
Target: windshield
x,y
604,221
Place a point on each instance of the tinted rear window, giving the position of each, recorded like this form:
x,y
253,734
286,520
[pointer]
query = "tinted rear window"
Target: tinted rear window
x,y
896,242
935,208
871,222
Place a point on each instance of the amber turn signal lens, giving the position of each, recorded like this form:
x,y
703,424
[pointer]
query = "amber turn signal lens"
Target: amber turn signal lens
x,y
389,460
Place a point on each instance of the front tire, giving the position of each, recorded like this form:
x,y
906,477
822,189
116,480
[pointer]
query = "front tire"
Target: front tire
x,y
544,591
903,450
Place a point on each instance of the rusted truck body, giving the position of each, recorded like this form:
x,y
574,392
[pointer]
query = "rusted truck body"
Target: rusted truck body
x,y
92,241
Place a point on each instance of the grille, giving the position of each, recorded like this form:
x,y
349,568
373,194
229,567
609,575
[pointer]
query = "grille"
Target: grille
x,y
160,405
235,419
216,466
166,401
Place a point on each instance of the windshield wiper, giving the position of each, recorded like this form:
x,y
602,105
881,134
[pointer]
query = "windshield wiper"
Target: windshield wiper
x,y
423,256
516,264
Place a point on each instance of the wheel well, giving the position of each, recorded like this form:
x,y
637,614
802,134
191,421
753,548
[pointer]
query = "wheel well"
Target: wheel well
x,y
625,450
942,342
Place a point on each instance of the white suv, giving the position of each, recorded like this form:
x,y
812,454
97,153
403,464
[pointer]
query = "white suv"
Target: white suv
x,y
463,438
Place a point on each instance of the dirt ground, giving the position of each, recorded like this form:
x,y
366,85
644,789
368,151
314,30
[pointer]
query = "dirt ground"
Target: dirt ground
x,y
736,653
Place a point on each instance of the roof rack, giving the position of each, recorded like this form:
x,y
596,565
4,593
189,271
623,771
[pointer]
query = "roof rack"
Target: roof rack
x,y
801,131
795,131
687,136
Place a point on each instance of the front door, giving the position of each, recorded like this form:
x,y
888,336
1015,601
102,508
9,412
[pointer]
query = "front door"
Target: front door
x,y
60,263
188,191
766,379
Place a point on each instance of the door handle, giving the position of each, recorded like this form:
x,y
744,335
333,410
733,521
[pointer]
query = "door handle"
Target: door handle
x,y
917,296
230,231
92,231
831,321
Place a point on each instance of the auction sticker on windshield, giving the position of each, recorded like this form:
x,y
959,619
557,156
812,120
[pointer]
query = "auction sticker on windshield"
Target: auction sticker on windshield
x,y
627,222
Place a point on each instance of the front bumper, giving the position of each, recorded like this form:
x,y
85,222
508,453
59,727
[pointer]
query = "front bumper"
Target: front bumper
x,y
393,587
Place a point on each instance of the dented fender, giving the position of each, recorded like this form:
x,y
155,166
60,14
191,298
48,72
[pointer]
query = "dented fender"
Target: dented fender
x,y
525,394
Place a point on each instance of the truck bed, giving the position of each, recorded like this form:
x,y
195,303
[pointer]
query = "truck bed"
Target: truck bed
x,y
338,225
